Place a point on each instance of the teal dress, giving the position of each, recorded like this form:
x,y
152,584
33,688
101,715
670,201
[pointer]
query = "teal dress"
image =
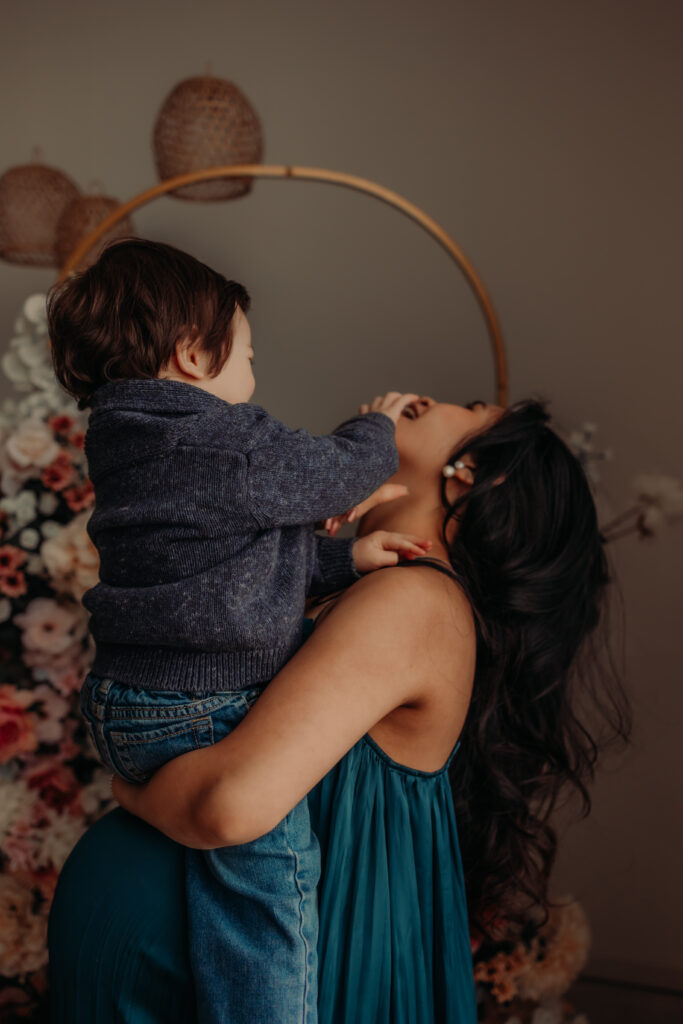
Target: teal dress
x,y
394,940
394,943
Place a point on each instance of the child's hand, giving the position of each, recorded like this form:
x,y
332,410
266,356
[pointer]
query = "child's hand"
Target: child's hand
x,y
392,404
387,492
381,547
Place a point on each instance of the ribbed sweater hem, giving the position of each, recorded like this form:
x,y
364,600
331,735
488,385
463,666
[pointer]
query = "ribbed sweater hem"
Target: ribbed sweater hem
x,y
196,672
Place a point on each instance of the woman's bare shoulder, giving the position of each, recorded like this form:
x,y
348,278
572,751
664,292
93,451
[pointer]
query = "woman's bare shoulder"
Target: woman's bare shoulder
x,y
404,585
430,605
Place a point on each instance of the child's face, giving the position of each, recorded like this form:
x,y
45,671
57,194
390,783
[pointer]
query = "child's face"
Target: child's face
x,y
235,381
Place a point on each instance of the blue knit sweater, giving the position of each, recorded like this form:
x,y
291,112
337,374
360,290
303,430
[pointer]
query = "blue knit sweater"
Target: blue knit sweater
x,y
203,522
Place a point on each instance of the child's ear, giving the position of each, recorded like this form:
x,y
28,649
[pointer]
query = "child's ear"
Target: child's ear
x,y
190,357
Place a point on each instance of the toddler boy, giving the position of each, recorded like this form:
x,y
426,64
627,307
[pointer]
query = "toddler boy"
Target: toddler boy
x,y
203,519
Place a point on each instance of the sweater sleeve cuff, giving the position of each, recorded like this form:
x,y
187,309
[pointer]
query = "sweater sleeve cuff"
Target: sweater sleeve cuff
x,y
335,568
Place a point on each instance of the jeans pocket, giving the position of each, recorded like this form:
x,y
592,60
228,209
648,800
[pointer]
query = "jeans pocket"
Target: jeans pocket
x,y
137,752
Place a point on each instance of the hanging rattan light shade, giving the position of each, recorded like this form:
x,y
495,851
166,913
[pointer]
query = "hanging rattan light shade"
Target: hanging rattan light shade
x,y
80,218
32,199
207,122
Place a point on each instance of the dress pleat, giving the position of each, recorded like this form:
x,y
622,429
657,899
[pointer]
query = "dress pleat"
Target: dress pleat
x,y
394,940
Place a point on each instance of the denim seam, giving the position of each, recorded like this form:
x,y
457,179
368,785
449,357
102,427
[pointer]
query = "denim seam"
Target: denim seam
x,y
171,731
185,708
206,723
297,864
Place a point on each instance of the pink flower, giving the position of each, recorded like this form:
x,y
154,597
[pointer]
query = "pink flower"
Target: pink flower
x,y
13,584
65,671
69,680
55,783
24,932
20,847
78,439
61,423
43,879
80,497
49,628
68,747
17,725
51,710
59,473
16,1002
11,558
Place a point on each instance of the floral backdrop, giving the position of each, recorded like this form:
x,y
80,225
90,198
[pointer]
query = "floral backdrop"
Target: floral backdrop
x,y
51,784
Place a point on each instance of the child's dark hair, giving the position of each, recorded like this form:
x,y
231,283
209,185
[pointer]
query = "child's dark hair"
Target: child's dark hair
x,y
121,318
546,698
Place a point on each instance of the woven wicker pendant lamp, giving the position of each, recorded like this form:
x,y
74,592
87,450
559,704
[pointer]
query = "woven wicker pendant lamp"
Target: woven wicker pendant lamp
x,y
32,199
79,220
206,122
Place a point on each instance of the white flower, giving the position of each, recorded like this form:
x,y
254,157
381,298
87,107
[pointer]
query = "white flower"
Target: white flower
x,y
59,838
15,368
580,442
47,504
32,444
5,609
21,508
97,793
34,565
567,936
11,482
663,495
35,310
29,538
54,709
48,400
15,799
51,528
42,376
23,933
8,417
71,558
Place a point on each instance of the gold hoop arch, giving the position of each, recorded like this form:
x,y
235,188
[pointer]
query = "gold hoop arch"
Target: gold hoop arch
x,y
330,178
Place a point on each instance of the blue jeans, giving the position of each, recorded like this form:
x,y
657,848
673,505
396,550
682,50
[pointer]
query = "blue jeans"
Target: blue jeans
x,y
252,909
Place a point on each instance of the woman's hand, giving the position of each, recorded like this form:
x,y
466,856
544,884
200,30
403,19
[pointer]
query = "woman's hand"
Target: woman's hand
x,y
171,800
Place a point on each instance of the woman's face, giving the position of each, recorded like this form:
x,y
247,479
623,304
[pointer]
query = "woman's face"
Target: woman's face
x,y
429,432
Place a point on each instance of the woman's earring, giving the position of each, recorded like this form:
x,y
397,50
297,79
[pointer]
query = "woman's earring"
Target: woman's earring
x,y
451,470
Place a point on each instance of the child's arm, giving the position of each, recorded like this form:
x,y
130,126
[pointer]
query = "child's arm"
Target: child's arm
x,y
339,562
342,561
294,477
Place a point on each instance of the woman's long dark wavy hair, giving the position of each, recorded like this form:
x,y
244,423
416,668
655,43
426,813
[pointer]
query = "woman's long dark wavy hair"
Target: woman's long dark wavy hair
x,y
546,698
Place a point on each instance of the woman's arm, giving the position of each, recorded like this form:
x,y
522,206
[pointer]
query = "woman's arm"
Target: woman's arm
x,y
377,649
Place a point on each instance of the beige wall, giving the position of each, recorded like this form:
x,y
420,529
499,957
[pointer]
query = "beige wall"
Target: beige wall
x,y
546,138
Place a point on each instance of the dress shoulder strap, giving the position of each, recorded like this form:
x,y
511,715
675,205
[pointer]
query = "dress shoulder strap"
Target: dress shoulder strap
x,y
435,563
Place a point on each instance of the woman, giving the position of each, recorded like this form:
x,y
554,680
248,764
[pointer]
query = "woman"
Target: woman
x,y
370,715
